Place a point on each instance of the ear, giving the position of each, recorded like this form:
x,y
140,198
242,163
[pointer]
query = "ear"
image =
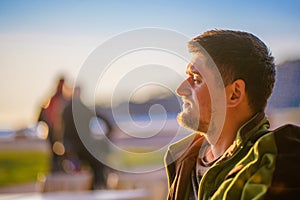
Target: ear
x,y
236,93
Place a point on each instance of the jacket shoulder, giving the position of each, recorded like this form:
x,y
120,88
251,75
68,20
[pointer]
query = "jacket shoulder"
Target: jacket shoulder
x,y
286,177
287,137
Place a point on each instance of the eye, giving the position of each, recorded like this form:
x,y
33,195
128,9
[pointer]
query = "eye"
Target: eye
x,y
197,79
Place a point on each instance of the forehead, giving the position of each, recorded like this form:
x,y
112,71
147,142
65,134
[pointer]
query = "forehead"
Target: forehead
x,y
197,65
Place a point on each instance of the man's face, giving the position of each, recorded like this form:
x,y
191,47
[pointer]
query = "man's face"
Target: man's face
x,y
196,110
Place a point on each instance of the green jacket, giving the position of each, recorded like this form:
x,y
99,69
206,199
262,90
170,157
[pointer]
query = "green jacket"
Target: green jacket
x,y
260,164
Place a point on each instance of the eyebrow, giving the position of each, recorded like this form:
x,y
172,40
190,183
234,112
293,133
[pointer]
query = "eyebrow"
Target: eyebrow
x,y
191,70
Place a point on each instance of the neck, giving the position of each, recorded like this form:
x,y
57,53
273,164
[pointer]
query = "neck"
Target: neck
x,y
227,136
216,150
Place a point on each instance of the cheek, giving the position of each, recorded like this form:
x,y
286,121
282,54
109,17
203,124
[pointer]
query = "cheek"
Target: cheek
x,y
203,98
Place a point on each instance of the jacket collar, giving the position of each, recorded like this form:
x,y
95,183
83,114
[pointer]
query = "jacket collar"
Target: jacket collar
x,y
186,146
248,134
252,129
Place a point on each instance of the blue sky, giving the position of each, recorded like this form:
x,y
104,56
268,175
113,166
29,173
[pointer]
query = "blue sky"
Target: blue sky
x,y
96,17
40,39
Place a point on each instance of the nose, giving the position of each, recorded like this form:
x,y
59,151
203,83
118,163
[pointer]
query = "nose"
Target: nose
x,y
184,89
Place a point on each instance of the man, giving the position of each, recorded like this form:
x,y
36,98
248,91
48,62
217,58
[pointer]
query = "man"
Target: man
x,y
51,114
234,156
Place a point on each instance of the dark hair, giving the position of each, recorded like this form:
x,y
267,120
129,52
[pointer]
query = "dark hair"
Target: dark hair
x,y
240,55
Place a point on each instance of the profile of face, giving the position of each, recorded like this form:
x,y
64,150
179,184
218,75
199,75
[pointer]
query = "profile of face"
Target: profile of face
x,y
196,110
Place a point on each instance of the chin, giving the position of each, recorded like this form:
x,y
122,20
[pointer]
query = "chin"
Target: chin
x,y
187,120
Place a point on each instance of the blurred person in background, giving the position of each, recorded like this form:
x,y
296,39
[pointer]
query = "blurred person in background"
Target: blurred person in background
x,y
244,160
79,140
51,114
